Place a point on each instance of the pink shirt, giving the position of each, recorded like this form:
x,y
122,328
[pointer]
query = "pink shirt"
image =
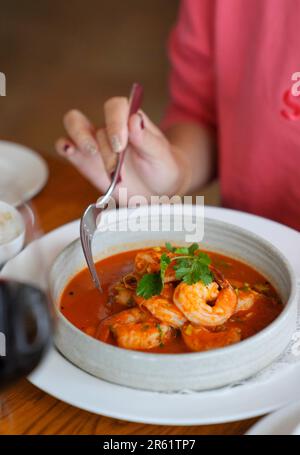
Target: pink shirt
x,y
232,63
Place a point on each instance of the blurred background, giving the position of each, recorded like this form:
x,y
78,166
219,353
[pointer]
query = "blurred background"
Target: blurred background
x,y
62,54
59,55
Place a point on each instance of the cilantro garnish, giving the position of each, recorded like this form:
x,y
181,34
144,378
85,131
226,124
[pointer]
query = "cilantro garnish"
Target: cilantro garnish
x,y
165,261
190,266
149,285
170,247
194,269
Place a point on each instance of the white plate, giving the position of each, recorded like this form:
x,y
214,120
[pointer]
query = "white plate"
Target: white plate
x,y
23,172
60,378
280,423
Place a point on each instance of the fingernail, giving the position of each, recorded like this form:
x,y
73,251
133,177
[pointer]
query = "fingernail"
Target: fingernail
x,y
68,149
142,121
116,143
90,148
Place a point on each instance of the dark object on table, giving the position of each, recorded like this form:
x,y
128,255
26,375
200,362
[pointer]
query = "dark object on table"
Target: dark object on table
x,y
25,329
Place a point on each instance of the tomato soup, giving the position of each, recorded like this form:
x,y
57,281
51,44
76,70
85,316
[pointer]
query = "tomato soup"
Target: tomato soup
x,y
180,328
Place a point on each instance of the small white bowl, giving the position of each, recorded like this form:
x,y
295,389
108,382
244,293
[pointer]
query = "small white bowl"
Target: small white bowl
x,y
175,372
14,235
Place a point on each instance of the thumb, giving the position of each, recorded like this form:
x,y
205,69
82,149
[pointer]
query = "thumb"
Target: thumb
x,y
145,137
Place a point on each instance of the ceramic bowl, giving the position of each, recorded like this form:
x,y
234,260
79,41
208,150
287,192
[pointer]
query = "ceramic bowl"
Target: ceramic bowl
x,y
177,372
13,234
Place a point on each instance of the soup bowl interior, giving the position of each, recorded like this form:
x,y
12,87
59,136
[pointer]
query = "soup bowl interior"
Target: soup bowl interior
x,y
176,372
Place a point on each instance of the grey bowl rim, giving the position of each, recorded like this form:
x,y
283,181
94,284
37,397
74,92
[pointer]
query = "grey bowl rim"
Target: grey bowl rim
x,y
193,355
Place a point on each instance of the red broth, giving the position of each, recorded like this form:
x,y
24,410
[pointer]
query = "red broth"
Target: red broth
x,y
85,307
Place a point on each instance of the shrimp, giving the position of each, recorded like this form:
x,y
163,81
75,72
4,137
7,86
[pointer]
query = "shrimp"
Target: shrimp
x,y
163,308
148,261
200,339
168,291
123,291
193,300
123,296
246,296
135,329
123,317
143,335
245,299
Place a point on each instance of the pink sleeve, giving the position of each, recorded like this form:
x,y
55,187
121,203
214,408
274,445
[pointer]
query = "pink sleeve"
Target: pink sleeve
x,y
191,82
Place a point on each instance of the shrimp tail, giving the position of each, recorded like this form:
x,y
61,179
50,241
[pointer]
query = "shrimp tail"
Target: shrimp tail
x,y
219,277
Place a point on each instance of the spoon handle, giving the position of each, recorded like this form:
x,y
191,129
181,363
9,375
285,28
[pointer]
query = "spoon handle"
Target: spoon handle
x,y
135,101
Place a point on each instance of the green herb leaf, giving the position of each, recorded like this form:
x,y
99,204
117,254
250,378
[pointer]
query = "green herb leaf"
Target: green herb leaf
x,y
182,267
193,248
191,266
194,268
170,247
164,264
149,285
182,250
203,258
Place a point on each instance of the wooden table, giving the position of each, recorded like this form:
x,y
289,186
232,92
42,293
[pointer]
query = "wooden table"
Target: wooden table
x,y
24,409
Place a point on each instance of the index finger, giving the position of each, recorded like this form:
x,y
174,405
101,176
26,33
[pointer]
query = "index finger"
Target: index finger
x,y
116,112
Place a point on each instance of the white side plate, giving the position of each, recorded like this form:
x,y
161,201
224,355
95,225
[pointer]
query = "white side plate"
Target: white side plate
x,y
280,423
23,172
